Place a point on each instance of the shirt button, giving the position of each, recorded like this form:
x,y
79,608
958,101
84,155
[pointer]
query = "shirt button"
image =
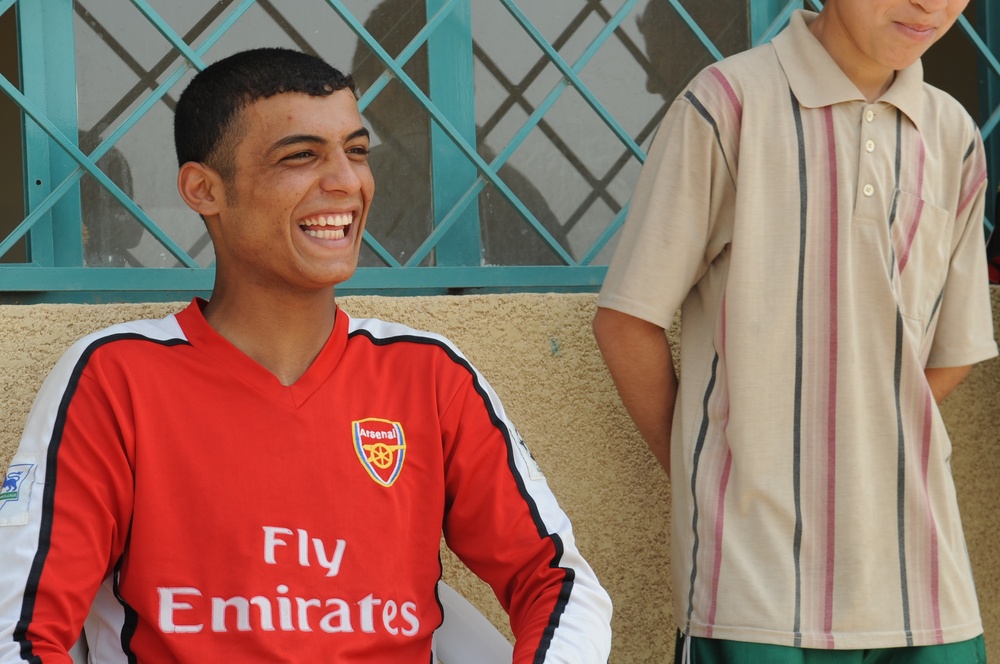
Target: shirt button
x,y
869,190
869,115
870,145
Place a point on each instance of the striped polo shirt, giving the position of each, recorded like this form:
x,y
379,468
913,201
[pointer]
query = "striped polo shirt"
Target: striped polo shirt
x,y
823,252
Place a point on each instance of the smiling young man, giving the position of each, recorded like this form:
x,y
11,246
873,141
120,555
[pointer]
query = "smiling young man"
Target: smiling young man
x,y
814,209
261,477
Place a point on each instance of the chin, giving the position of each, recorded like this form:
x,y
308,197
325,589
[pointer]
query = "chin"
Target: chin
x,y
342,274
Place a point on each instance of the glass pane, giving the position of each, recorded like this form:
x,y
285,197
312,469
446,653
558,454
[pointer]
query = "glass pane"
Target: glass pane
x,y
583,170
569,170
110,232
121,59
402,214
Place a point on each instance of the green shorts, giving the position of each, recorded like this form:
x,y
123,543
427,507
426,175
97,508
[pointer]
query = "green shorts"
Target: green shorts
x,y
718,651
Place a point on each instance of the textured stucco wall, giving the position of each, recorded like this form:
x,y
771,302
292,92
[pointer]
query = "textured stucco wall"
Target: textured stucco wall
x,y
538,352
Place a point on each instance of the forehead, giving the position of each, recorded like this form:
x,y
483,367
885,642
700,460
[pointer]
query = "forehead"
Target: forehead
x,y
331,117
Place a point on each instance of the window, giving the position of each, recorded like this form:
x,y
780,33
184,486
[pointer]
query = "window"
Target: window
x,y
507,135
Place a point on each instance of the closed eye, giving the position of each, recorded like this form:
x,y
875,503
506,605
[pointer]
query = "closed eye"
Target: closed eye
x,y
305,154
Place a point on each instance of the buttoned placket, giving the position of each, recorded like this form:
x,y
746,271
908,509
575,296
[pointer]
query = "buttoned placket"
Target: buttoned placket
x,y
871,201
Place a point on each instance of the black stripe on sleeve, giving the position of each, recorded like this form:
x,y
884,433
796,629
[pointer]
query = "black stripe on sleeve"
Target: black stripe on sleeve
x,y
51,477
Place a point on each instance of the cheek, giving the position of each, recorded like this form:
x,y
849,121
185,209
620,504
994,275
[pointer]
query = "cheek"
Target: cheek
x,y
956,7
273,200
367,183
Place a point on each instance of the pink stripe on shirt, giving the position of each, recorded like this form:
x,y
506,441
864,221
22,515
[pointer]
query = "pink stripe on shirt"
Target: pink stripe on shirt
x,y
831,413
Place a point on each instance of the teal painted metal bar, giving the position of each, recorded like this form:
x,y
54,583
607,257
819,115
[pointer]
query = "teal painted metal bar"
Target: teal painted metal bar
x,y
40,282
70,148
109,142
606,236
571,75
452,87
48,78
30,279
991,90
168,33
161,90
127,279
469,152
763,15
981,45
696,29
768,17
528,126
991,123
418,40
366,98
988,19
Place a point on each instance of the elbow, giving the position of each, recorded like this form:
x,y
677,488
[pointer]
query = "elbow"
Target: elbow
x,y
609,325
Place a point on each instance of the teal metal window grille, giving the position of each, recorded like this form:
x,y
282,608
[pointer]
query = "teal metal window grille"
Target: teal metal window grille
x,y
508,135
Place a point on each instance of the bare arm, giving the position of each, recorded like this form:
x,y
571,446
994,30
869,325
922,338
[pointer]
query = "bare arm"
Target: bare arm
x,y
943,380
638,356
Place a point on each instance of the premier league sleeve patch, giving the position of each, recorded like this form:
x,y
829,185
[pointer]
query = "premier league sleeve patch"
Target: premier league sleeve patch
x,y
381,448
531,466
16,491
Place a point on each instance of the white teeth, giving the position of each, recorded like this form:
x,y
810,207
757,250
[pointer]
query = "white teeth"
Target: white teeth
x,y
335,234
337,220
317,226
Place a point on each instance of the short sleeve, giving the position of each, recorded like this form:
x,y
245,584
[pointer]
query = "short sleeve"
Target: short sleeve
x,y
964,332
685,187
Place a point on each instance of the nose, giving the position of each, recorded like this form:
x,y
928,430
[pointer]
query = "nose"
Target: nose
x,y
931,6
340,174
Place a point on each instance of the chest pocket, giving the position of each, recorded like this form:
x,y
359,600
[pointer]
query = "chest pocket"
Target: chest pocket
x,y
920,237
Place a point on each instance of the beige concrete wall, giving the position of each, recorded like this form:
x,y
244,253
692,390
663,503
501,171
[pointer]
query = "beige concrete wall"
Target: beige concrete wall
x,y
537,351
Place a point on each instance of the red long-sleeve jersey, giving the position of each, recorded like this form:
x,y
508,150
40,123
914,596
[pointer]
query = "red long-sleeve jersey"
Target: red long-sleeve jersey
x,y
175,501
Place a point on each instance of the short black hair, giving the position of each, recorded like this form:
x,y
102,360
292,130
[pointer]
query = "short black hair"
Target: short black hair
x,y
206,119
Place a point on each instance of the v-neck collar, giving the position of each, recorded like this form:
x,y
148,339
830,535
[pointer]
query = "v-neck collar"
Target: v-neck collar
x,y
203,337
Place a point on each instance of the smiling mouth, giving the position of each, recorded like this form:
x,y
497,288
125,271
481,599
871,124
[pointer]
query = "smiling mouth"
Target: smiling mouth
x,y
327,226
919,30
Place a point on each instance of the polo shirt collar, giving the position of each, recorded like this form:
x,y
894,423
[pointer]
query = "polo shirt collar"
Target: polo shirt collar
x,y
817,81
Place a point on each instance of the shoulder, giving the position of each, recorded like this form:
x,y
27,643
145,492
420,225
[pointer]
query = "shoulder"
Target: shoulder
x,y
377,329
111,341
953,138
382,333
114,346
945,116
721,92
164,330
741,76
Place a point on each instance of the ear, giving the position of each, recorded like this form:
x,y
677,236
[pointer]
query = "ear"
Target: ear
x,y
202,188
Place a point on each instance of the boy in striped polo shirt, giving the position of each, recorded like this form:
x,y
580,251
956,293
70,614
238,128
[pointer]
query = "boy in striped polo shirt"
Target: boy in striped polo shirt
x,y
815,210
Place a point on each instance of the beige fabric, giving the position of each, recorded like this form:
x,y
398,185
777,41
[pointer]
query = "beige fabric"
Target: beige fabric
x,y
813,501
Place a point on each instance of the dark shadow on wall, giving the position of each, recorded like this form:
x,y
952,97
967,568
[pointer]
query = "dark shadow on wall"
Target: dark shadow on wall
x,y
676,53
109,230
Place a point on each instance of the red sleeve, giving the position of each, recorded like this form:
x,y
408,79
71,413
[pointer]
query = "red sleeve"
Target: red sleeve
x,y
504,523
73,512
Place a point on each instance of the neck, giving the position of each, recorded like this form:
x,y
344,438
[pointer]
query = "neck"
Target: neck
x,y
871,78
283,334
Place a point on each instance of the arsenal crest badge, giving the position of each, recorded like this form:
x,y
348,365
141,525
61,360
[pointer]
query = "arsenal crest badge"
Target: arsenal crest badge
x,y
381,448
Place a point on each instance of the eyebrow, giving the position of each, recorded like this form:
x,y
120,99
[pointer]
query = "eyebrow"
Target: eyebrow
x,y
295,139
